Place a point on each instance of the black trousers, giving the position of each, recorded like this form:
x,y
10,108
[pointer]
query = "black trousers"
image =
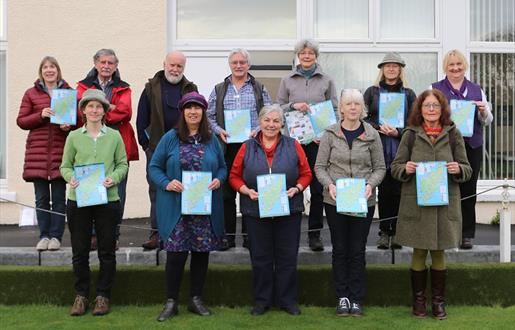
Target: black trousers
x,y
104,218
349,239
230,195
174,269
389,197
316,205
274,246
468,206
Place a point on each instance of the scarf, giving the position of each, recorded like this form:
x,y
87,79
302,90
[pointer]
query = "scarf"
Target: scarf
x,y
459,93
432,132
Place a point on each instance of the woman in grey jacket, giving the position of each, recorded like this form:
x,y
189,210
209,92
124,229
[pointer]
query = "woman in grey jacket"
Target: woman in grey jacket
x,y
306,85
350,149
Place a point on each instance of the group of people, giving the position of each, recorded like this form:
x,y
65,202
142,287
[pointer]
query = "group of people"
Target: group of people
x,y
180,130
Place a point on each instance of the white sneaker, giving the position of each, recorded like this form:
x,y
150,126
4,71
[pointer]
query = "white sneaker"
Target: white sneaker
x,y
43,244
54,244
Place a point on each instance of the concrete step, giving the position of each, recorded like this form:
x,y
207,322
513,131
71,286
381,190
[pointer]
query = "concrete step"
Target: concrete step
x,y
28,256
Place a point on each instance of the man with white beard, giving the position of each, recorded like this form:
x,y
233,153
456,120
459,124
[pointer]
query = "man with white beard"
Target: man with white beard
x,y
157,114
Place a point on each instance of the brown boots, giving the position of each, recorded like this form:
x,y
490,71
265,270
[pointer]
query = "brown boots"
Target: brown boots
x,y
418,287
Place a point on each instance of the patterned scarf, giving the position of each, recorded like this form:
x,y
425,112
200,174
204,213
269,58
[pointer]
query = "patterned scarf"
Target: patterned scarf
x,y
432,132
458,93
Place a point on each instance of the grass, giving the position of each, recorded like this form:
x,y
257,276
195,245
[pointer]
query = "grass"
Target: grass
x,y
143,317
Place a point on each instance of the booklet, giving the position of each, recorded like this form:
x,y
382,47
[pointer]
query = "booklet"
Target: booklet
x,y
432,185
237,125
462,114
272,197
350,197
91,190
196,197
306,127
64,105
391,109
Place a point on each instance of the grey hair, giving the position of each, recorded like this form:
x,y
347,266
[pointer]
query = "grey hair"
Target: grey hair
x,y
241,51
267,109
105,52
355,96
306,43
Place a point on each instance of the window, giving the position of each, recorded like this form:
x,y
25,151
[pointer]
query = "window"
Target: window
x,y
359,70
407,19
3,88
343,19
492,20
265,19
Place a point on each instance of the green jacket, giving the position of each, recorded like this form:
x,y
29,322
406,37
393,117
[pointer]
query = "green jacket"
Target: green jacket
x,y
81,149
336,160
430,227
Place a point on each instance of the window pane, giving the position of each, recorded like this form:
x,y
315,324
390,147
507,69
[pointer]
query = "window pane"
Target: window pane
x,y
3,20
3,127
265,19
359,70
341,19
495,74
492,20
407,19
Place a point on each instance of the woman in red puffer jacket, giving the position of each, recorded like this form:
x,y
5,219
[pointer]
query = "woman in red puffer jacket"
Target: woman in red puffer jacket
x,y
44,150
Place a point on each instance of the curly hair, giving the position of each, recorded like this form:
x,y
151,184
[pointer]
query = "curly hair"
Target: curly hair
x,y
416,119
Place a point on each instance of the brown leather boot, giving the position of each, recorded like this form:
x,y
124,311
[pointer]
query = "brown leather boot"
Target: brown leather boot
x,y
418,289
438,293
80,305
101,306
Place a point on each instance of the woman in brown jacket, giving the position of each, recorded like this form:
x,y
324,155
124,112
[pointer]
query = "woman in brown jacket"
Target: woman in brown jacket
x,y
43,153
431,136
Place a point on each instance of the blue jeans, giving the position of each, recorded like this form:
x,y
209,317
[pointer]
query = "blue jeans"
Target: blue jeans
x,y
50,225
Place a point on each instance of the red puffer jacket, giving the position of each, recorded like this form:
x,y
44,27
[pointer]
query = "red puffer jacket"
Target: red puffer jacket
x,y
45,142
120,117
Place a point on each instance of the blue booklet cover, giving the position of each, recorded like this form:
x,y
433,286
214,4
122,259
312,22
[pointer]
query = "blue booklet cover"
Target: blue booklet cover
x,y
462,114
432,185
64,105
237,125
196,197
321,115
350,196
91,190
391,109
272,198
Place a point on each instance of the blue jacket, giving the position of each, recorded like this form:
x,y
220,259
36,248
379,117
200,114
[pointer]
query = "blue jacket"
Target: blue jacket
x,y
165,166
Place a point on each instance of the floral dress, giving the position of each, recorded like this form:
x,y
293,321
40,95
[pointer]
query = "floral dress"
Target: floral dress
x,y
192,232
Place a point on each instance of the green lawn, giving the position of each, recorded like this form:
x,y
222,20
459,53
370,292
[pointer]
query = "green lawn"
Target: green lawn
x,y
143,317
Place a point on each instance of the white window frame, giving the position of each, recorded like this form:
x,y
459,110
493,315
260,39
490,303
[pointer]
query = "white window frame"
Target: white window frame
x,y
4,193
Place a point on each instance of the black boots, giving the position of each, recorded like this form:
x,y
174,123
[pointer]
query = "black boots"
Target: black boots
x,y
170,309
197,306
418,289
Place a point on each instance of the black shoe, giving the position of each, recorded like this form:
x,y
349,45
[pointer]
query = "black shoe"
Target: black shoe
x,y
466,243
258,310
170,309
197,306
292,310
395,245
227,243
152,243
245,242
315,244
356,309
343,307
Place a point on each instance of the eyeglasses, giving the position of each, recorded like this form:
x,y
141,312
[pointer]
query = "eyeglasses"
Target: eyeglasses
x,y
239,62
435,106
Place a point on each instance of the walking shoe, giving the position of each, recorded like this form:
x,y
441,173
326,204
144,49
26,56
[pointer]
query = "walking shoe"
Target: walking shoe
x,y
101,306
197,306
79,306
394,245
315,244
343,307
383,243
152,243
227,243
54,244
94,245
292,310
466,243
171,308
258,310
43,244
356,309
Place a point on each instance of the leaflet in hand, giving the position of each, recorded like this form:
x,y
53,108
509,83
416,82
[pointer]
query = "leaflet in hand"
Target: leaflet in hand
x,y
462,114
64,105
432,186
391,109
237,125
91,190
196,197
306,127
272,196
350,197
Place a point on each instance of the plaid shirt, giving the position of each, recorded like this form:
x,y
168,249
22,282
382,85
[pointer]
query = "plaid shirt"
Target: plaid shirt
x,y
235,100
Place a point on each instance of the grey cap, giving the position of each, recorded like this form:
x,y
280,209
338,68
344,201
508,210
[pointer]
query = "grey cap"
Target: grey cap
x,y
392,57
94,95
